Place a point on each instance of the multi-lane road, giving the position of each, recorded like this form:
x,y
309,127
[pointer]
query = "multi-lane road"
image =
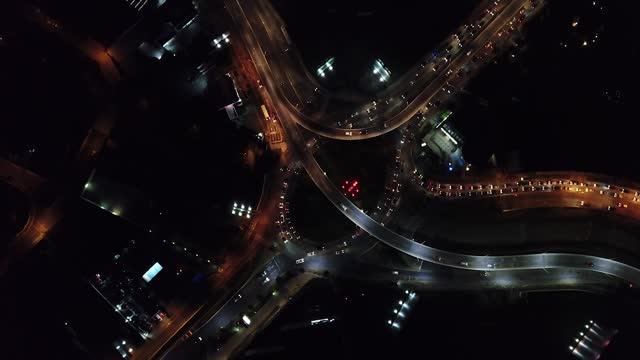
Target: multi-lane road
x,y
269,67
399,103
300,100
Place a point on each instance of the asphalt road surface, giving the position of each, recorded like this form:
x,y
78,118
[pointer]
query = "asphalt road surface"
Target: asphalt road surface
x,y
272,79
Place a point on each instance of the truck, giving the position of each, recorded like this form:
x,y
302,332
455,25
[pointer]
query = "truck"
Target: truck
x,y
265,112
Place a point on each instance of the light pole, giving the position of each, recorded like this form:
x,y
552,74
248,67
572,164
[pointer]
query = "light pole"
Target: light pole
x,y
381,71
241,210
327,66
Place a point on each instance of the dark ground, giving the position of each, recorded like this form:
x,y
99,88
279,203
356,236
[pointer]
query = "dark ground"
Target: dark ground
x,y
556,107
356,32
46,108
308,205
455,325
14,214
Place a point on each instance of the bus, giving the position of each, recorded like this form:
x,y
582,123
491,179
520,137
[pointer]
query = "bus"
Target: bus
x,y
265,112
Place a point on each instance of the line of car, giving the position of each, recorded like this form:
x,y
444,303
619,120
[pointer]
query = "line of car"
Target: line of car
x,y
468,190
443,55
287,231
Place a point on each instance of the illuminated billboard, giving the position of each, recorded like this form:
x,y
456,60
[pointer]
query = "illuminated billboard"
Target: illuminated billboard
x,y
152,272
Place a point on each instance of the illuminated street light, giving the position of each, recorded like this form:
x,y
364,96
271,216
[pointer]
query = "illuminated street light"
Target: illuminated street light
x,y
380,69
241,210
222,39
327,66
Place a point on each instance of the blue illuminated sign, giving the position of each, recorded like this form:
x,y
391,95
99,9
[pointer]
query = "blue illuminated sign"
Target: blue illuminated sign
x,y
152,272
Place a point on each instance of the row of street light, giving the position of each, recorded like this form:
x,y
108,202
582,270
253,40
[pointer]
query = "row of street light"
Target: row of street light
x,y
590,343
401,312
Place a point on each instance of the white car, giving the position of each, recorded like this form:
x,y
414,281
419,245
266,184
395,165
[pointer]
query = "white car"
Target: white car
x,y
300,261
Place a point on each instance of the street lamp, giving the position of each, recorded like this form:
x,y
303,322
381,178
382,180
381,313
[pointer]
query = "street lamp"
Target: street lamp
x,y
241,210
381,70
327,66
222,39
